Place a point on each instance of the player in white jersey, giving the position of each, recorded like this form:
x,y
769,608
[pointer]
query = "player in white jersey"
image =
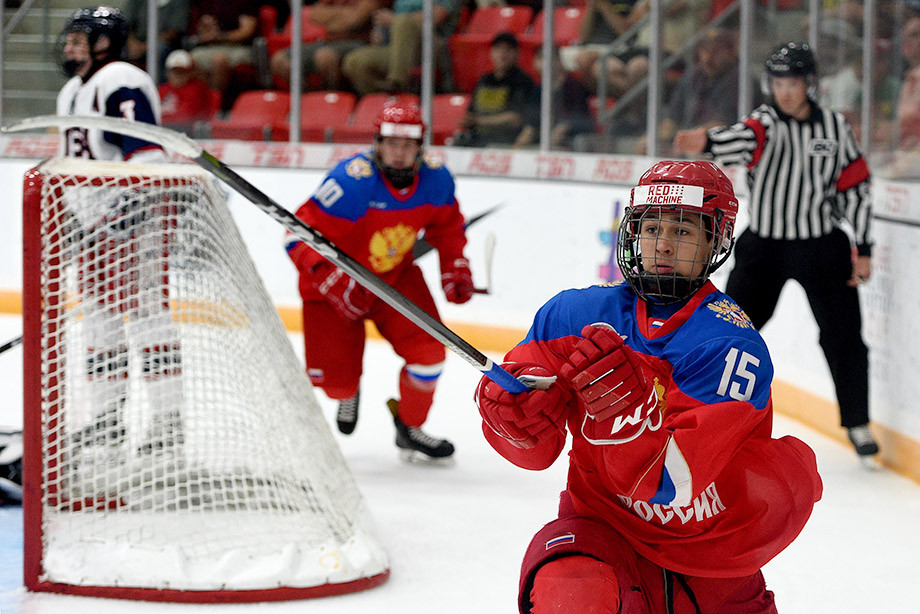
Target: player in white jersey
x,y
124,240
101,84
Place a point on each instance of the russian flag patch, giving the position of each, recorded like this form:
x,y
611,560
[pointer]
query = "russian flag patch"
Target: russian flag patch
x,y
568,538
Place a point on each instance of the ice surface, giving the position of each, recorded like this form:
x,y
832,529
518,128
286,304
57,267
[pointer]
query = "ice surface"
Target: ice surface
x,y
455,535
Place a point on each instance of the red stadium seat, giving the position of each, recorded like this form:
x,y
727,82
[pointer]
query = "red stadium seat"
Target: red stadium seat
x,y
447,111
309,32
489,21
471,59
567,20
268,20
321,114
252,116
361,127
469,50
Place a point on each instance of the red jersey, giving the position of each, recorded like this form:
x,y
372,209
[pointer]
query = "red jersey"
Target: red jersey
x,y
367,218
185,104
699,486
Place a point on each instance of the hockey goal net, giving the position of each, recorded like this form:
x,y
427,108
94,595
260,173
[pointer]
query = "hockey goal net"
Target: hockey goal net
x,y
174,447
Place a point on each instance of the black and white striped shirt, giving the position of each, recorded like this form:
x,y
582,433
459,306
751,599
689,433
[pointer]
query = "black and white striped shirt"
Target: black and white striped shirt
x,y
804,176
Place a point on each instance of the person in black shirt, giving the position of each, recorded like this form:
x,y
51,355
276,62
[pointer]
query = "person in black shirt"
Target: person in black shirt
x,y
504,110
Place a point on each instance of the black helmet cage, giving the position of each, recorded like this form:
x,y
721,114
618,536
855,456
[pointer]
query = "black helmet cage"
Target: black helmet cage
x,y
791,60
668,288
95,22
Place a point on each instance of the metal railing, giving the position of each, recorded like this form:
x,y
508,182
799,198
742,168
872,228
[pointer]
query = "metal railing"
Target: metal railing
x,y
742,10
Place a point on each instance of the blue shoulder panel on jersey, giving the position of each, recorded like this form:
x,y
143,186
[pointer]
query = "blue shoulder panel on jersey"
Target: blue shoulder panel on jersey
x,y
718,356
348,188
129,103
571,310
355,185
436,186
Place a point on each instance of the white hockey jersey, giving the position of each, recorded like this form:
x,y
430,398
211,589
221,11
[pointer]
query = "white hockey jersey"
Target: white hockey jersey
x,y
118,89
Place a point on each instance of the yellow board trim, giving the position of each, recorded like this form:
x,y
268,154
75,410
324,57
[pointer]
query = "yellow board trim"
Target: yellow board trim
x,y
10,302
900,452
485,338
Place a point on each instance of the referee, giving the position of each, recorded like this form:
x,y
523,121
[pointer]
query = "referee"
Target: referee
x,y
807,178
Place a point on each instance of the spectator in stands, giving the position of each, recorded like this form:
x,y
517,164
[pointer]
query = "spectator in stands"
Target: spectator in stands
x,y
908,109
504,109
604,21
570,108
184,98
910,43
625,122
224,30
707,93
886,90
348,23
680,21
396,45
172,22
839,52
623,70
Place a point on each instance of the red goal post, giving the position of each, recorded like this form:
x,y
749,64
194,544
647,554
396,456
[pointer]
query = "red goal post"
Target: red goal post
x,y
174,449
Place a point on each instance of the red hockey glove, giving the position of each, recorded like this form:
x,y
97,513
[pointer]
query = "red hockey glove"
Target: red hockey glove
x,y
523,419
348,297
607,375
457,281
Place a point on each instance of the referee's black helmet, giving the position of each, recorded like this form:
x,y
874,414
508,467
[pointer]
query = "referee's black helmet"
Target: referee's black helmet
x,y
791,60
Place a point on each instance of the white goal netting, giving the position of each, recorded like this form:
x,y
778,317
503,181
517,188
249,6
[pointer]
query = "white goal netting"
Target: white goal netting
x,y
181,445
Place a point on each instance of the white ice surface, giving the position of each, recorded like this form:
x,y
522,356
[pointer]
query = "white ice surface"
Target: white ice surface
x,y
455,535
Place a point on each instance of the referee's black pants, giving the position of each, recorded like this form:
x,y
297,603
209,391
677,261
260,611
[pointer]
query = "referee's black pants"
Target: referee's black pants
x,y
822,266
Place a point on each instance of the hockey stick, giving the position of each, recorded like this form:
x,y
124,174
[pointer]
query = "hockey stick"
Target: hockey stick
x,y
490,254
10,344
422,246
181,144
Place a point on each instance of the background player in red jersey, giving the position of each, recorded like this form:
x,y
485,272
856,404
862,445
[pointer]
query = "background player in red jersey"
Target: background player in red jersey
x,y
373,206
677,494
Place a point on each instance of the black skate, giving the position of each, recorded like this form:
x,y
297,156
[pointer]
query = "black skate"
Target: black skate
x,y
865,445
165,434
106,428
347,415
415,445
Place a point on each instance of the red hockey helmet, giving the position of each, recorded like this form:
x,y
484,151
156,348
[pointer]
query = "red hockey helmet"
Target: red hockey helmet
x,y
698,189
400,119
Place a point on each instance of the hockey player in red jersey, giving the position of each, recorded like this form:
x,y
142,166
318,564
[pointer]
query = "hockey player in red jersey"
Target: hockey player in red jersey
x,y
677,494
373,206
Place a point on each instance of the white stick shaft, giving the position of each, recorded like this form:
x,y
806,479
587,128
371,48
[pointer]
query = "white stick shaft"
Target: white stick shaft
x,y
489,256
